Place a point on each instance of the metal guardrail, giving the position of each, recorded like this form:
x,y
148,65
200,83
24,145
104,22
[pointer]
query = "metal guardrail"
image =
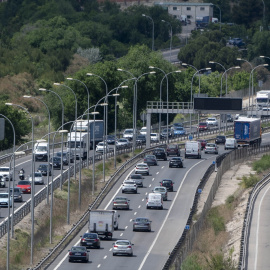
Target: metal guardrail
x,y
47,260
190,233
247,220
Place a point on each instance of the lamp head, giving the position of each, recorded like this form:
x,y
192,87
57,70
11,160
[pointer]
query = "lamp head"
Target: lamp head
x,y
237,67
239,59
116,95
262,56
25,96
211,62
152,72
124,86
178,71
42,89
120,69
89,74
9,104
184,64
103,104
162,20
63,131
143,15
151,67
208,68
94,113
70,79
56,83
265,65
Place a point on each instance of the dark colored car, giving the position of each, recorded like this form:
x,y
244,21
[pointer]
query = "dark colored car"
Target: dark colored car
x,y
160,153
237,42
141,224
176,162
150,160
56,162
167,183
90,240
17,194
203,126
111,139
220,139
43,168
141,139
203,143
173,149
166,131
67,157
78,253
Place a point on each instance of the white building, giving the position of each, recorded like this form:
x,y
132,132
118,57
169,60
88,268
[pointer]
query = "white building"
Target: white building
x,y
192,11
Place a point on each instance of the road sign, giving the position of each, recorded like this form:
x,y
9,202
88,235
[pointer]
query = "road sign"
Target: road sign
x,y
187,227
190,137
199,190
2,129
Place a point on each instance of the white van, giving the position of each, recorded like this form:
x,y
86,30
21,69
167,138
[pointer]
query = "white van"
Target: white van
x,y
41,151
154,200
230,143
193,149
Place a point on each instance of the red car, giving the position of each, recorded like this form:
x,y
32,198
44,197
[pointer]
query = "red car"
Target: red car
x,y
203,143
203,126
25,186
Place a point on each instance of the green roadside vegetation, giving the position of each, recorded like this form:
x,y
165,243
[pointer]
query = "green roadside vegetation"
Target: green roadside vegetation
x,y
209,250
19,254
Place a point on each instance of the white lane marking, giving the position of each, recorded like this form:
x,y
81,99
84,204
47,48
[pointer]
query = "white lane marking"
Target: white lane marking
x,y
110,249
65,257
130,220
169,211
153,179
162,167
157,173
135,213
146,193
121,234
126,226
150,185
258,226
98,265
139,206
142,200
105,257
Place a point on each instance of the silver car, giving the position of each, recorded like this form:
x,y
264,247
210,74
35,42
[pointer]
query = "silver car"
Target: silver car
x,y
129,186
142,168
4,200
122,247
120,203
162,191
38,178
137,178
211,148
141,224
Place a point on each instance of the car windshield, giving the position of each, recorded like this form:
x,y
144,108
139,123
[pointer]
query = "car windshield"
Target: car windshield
x,y
122,140
135,176
129,182
4,169
23,183
78,248
159,189
42,167
90,235
176,158
172,146
42,148
166,181
141,166
3,195
122,243
220,137
56,159
153,134
203,124
211,145
150,156
179,128
211,119
16,190
120,199
142,220
129,132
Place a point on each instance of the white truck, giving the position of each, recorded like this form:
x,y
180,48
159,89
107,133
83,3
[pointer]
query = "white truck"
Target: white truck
x,y
263,99
77,144
103,222
82,126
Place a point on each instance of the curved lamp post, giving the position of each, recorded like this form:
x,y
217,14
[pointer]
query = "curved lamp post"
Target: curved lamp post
x,y
8,227
88,137
225,72
153,31
49,130
212,62
171,37
32,183
241,59
76,109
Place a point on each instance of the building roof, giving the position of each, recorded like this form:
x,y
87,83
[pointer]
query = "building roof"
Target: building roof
x,y
182,4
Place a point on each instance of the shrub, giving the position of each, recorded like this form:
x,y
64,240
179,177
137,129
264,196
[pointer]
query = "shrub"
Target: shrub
x,y
250,181
262,164
191,263
216,220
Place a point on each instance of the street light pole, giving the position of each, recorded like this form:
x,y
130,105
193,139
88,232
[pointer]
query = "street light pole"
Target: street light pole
x,y
105,131
32,183
212,62
88,127
8,227
240,59
153,31
225,72
170,39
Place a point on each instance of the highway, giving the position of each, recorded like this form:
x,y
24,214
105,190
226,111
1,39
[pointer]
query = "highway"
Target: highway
x,y
151,249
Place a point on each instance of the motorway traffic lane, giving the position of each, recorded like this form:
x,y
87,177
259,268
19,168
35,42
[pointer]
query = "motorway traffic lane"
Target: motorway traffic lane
x,y
150,248
259,237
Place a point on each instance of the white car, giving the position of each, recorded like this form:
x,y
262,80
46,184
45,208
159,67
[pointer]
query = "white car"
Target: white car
x,y
4,200
211,148
5,173
38,178
154,137
142,168
101,146
124,142
128,134
123,247
143,131
129,186
212,121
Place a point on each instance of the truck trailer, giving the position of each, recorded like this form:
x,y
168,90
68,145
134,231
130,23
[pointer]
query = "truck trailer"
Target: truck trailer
x,y
247,131
102,222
